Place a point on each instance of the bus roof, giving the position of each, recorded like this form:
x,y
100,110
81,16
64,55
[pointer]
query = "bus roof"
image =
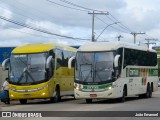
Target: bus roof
x,y
42,47
107,46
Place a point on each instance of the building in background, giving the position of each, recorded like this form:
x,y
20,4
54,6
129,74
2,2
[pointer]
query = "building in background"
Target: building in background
x,y
5,52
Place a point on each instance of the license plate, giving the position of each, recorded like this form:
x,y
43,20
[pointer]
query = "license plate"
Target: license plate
x,y
26,95
93,95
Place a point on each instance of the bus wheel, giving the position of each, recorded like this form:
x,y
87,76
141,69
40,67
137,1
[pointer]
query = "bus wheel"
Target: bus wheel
x,y
123,98
23,101
88,100
57,97
141,96
148,91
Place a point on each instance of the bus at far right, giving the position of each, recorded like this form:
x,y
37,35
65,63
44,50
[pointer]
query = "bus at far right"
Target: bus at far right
x,y
157,48
114,70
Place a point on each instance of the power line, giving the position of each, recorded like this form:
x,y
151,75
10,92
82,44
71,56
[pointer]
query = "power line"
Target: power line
x,y
66,6
34,8
37,29
15,7
18,14
120,24
111,26
76,5
115,19
35,15
32,34
124,25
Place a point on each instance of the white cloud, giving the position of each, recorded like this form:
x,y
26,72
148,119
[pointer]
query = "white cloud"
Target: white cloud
x,y
6,12
138,15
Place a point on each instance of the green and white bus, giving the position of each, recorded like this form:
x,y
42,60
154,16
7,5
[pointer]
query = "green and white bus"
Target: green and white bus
x,y
114,70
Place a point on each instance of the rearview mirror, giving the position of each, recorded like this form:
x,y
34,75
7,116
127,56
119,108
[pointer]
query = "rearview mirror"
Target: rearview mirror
x,y
70,62
116,59
4,64
49,59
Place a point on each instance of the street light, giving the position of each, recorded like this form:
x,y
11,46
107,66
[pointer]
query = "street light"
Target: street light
x,y
106,28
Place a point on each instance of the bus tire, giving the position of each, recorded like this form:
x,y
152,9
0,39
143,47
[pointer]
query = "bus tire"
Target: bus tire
x,y
123,98
141,96
88,100
23,101
148,92
57,97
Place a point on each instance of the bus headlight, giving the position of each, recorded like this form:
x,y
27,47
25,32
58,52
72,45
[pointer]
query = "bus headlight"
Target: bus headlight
x,y
78,86
109,88
37,89
43,87
30,90
13,89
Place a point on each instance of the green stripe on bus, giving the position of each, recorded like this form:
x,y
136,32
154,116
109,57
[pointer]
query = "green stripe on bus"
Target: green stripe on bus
x,y
97,86
137,72
154,72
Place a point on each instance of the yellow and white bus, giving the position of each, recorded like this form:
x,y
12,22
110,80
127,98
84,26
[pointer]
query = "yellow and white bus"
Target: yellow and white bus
x,y
38,71
114,70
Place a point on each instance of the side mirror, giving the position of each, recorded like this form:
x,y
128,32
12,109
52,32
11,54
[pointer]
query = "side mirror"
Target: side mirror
x,y
4,64
70,62
116,58
49,59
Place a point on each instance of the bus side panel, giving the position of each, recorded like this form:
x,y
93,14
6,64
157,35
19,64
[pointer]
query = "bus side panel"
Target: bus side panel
x,y
65,80
52,85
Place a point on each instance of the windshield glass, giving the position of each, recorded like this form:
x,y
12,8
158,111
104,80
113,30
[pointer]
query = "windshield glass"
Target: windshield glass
x,y
28,68
94,67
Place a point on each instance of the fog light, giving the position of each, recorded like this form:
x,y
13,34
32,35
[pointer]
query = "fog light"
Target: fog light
x,y
12,95
43,93
109,88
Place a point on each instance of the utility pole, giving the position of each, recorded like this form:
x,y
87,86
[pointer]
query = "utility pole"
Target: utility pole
x,y
119,37
135,34
148,41
93,15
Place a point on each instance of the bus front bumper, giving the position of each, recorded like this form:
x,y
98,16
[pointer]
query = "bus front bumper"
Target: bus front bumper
x,y
110,94
29,94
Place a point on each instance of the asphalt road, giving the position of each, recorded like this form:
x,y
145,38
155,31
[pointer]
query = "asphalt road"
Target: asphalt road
x,y
69,104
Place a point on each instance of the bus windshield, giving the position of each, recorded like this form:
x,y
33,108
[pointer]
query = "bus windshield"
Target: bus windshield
x,y
94,67
27,68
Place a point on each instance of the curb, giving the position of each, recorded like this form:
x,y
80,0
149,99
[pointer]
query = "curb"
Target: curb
x,y
2,104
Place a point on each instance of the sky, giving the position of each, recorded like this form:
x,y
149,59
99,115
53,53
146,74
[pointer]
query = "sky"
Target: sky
x,y
48,15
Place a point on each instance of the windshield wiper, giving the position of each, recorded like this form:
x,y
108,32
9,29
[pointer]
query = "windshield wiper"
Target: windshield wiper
x,y
86,78
90,72
22,61
96,74
22,75
103,69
